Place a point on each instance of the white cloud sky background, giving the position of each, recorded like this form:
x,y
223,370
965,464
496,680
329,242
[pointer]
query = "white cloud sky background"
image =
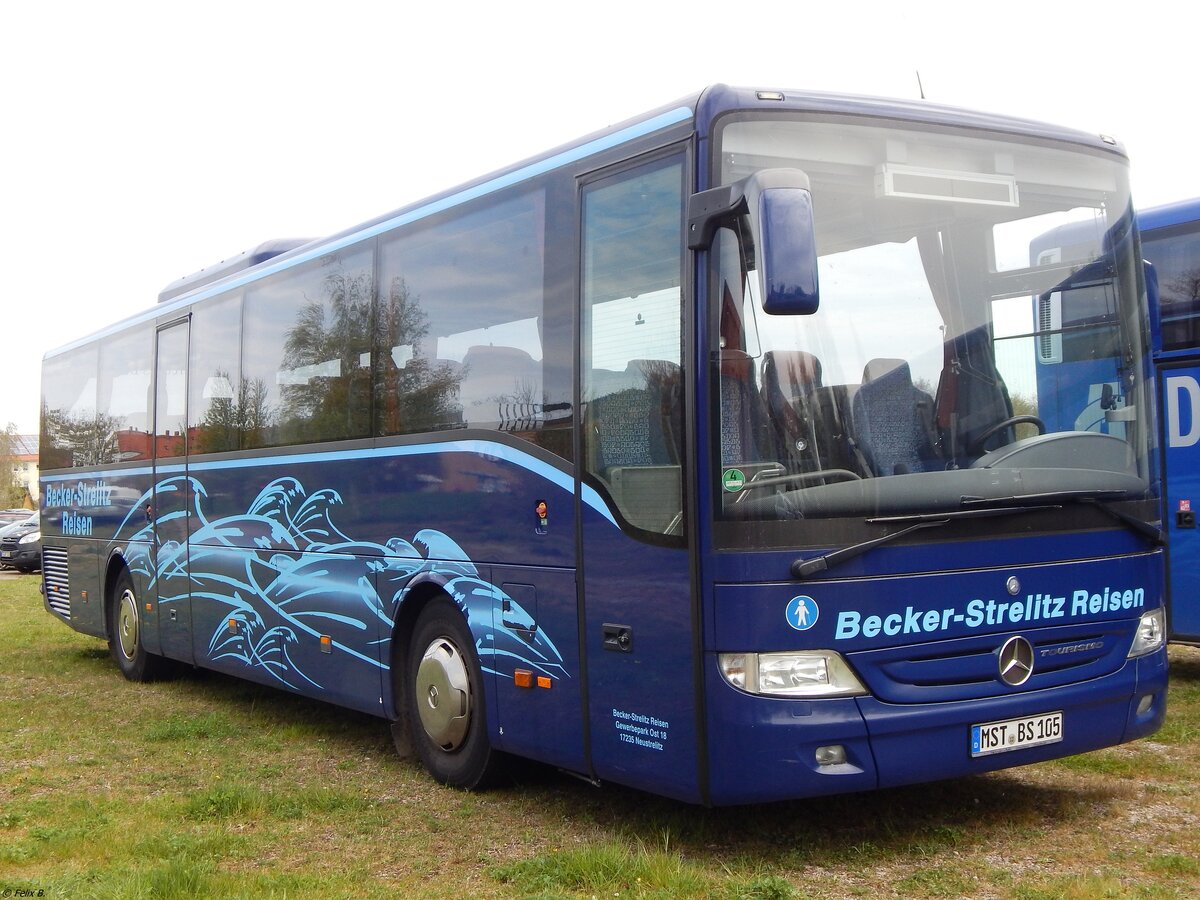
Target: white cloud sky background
x,y
144,141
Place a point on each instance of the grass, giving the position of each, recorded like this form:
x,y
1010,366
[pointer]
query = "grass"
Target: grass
x,y
206,786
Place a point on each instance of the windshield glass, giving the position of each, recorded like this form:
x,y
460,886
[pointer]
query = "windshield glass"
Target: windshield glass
x,y
980,334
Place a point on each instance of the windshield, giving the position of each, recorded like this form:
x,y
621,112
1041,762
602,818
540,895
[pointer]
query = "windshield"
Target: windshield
x,y
980,334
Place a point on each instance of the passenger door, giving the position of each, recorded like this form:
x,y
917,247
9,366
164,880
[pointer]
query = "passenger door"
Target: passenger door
x,y
637,599
171,509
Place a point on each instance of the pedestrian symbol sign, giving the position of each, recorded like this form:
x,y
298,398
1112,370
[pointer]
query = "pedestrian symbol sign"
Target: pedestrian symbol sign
x,y
802,613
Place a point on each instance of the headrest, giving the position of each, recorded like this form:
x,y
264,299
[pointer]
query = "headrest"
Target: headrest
x,y
880,368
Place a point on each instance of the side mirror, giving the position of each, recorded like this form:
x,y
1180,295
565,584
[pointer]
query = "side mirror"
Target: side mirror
x,y
778,205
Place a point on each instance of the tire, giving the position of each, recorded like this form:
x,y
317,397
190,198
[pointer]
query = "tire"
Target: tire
x,y
446,709
125,634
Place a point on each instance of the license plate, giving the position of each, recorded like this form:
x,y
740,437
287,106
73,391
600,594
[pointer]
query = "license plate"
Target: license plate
x,y
1016,734
6,554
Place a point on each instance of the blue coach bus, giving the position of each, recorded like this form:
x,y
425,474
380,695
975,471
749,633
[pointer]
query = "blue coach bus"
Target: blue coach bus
x,y
1083,388
1171,244
691,456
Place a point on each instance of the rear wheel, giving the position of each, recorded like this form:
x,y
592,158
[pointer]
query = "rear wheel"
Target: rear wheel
x,y
447,712
125,641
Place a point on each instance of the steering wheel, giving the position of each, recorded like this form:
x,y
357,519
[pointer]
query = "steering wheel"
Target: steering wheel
x,y
976,448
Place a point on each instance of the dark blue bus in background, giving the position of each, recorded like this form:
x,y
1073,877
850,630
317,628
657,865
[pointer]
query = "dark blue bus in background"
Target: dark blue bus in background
x,y
706,455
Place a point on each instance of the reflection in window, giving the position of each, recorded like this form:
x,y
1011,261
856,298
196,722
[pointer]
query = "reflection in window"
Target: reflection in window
x,y
222,406
124,394
73,433
459,342
96,403
632,379
170,411
1176,259
306,352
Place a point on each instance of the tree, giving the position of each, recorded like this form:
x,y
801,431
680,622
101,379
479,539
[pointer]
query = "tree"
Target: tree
x,y
234,422
418,394
12,492
1184,288
331,394
83,440
330,397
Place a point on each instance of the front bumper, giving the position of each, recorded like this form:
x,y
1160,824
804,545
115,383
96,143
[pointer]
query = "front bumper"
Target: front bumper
x,y
763,748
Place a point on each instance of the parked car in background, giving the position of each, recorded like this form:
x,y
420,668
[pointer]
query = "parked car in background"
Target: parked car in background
x,y
10,524
9,516
21,544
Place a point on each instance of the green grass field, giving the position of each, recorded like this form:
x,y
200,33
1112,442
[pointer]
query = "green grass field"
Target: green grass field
x,y
207,786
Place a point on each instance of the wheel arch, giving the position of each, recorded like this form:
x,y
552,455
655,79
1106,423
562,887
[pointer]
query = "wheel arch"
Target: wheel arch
x,y
416,597
113,567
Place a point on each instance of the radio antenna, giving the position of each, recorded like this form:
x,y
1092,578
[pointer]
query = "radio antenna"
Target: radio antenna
x,y
920,87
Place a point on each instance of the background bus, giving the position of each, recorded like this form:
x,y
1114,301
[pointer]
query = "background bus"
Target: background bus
x,y
1171,243
689,456
1083,388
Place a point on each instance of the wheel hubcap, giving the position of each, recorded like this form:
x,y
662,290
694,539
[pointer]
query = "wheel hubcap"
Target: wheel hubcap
x,y
127,625
443,691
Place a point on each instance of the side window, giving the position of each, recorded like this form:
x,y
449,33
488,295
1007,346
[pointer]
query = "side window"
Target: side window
x,y
460,324
306,342
71,435
123,394
170,410
1176,257
632,348
221,404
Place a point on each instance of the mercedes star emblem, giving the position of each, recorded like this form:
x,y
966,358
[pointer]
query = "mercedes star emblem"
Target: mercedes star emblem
x,y
1016,661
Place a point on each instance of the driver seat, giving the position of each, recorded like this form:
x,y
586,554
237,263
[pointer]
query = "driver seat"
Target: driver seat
x,y
971,398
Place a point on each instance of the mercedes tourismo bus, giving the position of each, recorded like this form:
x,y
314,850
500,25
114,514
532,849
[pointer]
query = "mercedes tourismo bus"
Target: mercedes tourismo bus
x,y
702,455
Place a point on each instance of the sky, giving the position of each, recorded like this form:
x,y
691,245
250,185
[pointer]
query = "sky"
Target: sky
x,y
143,141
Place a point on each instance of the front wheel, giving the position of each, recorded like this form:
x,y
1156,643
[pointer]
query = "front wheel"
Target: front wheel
x,y
125,641
447,713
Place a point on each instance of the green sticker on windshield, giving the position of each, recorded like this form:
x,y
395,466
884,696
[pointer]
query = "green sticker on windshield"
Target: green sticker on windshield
x,y
733,480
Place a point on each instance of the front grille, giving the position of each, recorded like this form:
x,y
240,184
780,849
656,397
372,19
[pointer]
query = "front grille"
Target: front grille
x,y
57,580
967,668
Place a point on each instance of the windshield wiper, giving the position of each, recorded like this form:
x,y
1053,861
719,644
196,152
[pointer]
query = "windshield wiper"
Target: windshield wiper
x,y
803,568
1096,499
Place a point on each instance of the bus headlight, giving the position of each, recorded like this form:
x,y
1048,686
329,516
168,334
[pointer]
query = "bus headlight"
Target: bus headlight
x,y
809,673
1151,633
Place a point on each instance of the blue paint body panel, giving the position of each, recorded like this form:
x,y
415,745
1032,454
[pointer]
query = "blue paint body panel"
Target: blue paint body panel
x,y
642,703
1180,402
329,545
925,647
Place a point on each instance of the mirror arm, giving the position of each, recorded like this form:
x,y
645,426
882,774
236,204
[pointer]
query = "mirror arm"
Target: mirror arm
x,y
710,209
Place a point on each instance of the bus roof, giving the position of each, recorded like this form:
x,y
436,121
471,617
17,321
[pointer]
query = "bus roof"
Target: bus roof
x,y
1169,214
241,262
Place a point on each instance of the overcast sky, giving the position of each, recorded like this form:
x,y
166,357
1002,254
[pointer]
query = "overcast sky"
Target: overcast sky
x,y
143,141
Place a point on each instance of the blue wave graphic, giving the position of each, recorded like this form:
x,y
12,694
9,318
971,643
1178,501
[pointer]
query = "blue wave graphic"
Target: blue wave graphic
x,y
282,575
